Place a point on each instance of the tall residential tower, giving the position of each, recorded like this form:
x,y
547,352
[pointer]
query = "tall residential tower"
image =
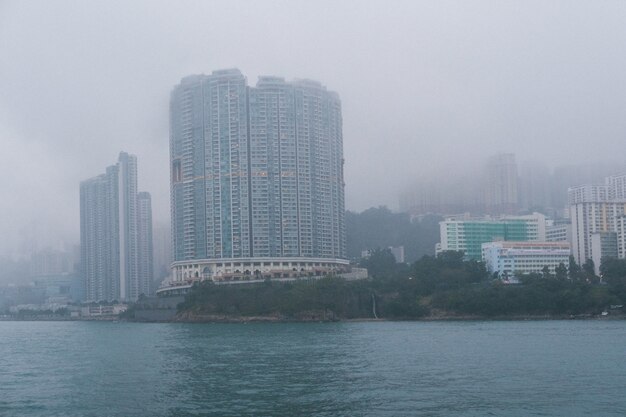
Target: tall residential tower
x,y
256,178
115,234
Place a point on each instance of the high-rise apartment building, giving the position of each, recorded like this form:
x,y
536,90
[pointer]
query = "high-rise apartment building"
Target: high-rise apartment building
x,y
616,185
256,177
501,185
145,246
597,210
589,217
587,194
113,248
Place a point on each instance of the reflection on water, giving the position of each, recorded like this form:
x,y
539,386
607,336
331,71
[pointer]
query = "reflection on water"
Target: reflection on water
x,y
352,369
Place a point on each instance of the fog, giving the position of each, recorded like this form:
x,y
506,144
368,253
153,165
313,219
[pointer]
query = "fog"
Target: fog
x,y
428,89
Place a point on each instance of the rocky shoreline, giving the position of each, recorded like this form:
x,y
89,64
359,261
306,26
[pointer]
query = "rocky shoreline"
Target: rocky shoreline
x,y
317,317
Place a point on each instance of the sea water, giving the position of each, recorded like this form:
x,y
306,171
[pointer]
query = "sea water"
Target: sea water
x,y
499,368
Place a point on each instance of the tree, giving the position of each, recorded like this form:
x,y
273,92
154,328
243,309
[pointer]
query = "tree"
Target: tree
x,y
451,258
574,268
381,263
379,227
589,267
560,272
613,272
611,268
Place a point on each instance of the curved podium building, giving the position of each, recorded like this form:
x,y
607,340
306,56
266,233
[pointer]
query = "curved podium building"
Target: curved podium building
x,y
257,186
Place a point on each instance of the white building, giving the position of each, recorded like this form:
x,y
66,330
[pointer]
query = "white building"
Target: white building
x,y
398,253
511,259
621,236
587,193
597,209
617,186
589,218
558,232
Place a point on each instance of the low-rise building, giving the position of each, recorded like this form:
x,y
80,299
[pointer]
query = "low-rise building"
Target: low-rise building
x,y
468,234
512,259
558,231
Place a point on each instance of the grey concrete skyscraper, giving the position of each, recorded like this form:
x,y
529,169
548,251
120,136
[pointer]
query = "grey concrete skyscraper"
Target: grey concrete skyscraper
x,y
112,244
145,249
256,178
501,193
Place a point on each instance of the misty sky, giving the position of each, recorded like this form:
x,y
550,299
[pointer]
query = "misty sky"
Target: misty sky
x,y
427,88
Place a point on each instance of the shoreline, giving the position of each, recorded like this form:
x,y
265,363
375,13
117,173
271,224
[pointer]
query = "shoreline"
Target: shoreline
x,y
226,319
443,318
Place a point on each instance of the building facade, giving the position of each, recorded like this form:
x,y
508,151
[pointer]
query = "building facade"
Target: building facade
x,y
112,245
589,218
256,177
603,245
468,234
145,246
621,236
596,209
559,231
512,259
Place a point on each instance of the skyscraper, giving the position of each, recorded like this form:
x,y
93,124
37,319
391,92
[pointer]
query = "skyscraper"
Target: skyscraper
x,y
112,246
593,209
145,246
501,193
256,177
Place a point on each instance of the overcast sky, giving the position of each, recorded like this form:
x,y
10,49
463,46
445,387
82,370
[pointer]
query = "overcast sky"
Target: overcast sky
x,y
426,87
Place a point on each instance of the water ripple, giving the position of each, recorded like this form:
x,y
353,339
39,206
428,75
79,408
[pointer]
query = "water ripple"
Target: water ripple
x,y
339,369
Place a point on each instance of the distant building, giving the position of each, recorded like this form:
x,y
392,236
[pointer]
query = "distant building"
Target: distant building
x,y
51,262
558,231
398,253
162,253
534,186
587,194
113,250
443,196
589,218
512,259
145,261
596,209
501,185
616,185
60,288
621,236
103,310
468,234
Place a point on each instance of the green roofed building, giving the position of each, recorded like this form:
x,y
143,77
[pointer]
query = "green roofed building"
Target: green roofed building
x,y
468,234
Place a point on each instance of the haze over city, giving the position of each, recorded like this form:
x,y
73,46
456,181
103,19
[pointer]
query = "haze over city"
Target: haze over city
x,y
428,89
306,208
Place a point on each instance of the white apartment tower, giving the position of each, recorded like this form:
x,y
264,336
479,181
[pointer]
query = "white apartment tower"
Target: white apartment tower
x,y
595,209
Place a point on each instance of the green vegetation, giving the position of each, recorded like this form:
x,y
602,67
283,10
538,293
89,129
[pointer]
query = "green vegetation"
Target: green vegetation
x,y
381,228
444,286
316,299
